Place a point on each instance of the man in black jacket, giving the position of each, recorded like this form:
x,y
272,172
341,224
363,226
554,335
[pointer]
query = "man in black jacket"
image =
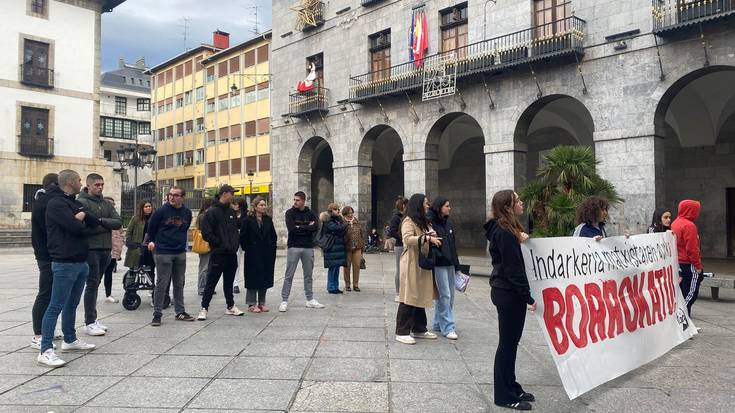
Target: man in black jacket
x,y
302,225
66,223
220,228
43,260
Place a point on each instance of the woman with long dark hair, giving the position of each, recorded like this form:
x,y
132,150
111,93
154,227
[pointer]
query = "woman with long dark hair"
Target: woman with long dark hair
x,y
203,258
447,262
661,221
136,234
417,288
258,240
510,293
395,232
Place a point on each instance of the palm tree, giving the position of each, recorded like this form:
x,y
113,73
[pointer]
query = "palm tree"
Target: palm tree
x,y
566,178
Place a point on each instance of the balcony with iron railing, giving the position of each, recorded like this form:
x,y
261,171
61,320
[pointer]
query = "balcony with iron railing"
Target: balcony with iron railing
x,y
563,37
318,16
35,146
672,16
367,3
302,104
36,76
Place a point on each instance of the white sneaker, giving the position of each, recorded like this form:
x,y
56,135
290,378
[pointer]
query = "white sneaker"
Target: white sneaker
x,y
202,314
233,311
313,303
283,307
77,345
426,334
699,329
97,323
36,343
405,339
452,335
112,300
50,359
94,330
397,299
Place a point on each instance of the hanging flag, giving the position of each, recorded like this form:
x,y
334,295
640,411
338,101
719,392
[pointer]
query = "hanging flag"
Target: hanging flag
x,y
420,41
410,38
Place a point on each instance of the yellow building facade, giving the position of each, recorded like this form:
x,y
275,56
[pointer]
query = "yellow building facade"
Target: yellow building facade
x,y
211,116
237,117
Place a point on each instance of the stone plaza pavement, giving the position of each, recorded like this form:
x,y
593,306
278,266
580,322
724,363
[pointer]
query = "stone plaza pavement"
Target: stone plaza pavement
x,y
342,358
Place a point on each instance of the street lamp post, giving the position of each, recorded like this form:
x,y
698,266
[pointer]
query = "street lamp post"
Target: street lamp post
x,y
251,176
135,157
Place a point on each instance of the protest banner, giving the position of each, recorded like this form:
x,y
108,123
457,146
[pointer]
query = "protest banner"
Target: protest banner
x,y
606,307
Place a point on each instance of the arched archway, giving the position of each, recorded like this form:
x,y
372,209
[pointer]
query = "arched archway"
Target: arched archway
x,y
381,150
316,174
455,142
696,119
551,121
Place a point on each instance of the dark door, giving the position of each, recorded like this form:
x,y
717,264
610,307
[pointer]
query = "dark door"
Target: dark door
x,y
34,131
35,63
730,211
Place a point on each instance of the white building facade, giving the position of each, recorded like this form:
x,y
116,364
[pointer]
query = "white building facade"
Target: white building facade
x,y
49,98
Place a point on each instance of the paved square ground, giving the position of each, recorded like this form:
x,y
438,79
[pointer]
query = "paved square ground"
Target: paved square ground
x,y
341,358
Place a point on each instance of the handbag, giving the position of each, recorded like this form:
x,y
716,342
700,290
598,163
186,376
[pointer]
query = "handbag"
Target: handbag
x,y
326,240
461,281
198,244
362,263
426,261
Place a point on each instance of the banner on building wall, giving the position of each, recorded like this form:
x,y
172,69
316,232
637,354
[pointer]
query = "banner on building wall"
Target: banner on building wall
x,y
418,39
607,307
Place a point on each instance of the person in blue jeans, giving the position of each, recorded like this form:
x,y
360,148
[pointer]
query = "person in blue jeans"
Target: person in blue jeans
x,y
67,222
447,262
335,256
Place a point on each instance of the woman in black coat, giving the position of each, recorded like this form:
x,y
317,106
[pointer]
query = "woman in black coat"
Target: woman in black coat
x,y
258,241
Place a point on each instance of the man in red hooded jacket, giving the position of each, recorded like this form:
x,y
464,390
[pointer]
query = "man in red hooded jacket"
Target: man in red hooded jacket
x,y
687,246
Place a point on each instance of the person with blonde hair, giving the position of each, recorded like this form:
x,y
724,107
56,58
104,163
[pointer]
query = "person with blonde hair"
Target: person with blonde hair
x,y
258,241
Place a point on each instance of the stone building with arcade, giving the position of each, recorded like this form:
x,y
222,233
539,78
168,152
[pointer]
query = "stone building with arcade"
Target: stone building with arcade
x,y
649,85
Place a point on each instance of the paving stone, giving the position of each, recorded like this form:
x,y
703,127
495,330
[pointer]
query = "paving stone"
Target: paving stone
x,y
265,368
210,346
290,333
341,397
8,381
424,350
184,366
25,363
56,390
150,392
434,371
284,348
354,334
350,349
348,369
145,345
430,397
100,364
255,394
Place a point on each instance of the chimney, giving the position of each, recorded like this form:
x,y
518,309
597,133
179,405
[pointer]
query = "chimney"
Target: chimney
x,y
121,63
221,40
140,63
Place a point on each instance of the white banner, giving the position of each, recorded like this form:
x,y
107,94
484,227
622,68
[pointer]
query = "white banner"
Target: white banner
x,y
606,307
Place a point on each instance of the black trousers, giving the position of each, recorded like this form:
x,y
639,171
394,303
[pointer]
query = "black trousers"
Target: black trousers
x,y
410,319
98,260
511,318
690,282
45,281
111,267
225,266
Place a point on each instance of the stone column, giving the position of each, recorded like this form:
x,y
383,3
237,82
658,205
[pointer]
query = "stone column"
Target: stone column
x,y
421,172
505,168
635,166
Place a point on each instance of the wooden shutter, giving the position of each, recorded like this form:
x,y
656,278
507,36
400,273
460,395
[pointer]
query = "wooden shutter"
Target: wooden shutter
x,y
263,54
264,162
222,69
235,64
212,169
187,68
251,163
250,58
235,166
224,167
250,128
224,133
235,131
263,125
35,62
179,71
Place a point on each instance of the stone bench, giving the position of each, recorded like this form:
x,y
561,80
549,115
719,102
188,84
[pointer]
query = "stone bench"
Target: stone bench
x,y
715,283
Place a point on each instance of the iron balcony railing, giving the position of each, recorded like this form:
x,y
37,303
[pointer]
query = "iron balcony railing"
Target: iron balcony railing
x,y
672,15
304,103
37,76
366,3
318,18
35,146
562,37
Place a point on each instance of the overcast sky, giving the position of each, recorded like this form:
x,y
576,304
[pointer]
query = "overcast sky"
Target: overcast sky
x,y
154,29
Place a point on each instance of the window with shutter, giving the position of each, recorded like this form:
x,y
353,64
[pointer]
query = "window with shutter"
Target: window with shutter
x,y
36,70
235,64
34,138
212,169
179,71
263,126
224,167
263,53
264,162
187,68
222,69
235,132
235,166
251,163
224,134
250,128
250,58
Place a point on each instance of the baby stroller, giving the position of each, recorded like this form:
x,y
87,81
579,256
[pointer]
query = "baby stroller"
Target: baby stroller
x,y
372,246
139,278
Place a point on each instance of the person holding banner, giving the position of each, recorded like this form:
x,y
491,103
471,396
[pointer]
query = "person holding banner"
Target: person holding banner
x,y
510,294
661,221
417,288
591,216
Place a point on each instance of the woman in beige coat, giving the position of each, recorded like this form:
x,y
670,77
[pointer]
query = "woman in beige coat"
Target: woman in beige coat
x,y
417,287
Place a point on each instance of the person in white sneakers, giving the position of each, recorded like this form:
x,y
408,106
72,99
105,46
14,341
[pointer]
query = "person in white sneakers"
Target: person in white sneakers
x,y
220,228
66,223
302,225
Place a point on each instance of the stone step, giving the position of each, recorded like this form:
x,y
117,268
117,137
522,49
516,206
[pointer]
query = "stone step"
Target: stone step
x,y
11,238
